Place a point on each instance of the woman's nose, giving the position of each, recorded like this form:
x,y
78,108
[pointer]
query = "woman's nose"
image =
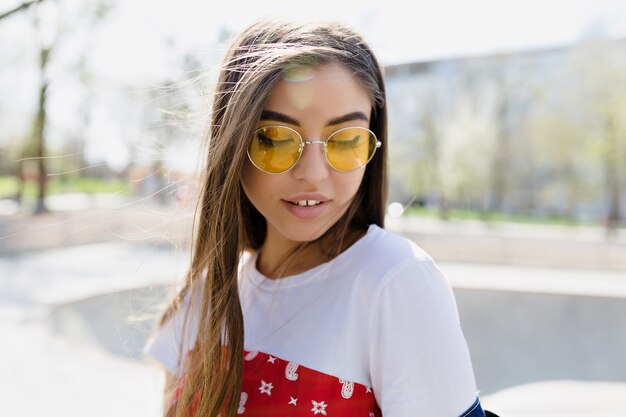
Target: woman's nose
x,y
312,165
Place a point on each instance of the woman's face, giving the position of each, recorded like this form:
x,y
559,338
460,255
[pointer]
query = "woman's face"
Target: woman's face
x,y
315,102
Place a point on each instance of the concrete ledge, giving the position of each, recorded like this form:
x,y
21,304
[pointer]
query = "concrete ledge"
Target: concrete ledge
x,y
536,280
516,244
69,228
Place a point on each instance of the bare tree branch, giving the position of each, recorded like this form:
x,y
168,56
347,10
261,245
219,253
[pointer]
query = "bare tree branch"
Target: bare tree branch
x,y
18,8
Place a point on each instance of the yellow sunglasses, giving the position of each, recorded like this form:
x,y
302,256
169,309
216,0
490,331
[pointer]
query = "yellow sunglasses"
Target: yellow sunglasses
x,y
275,149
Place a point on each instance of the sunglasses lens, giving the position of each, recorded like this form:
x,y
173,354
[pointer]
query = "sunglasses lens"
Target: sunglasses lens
x,y
274,149
351,148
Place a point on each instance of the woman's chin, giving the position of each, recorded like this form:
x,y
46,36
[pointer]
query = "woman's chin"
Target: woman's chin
x,y
302,233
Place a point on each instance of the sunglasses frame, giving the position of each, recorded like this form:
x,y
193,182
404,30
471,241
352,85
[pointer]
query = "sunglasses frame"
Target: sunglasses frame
x,y
303,143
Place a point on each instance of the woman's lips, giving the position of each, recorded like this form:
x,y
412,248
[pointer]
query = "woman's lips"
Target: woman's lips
x,y
305,212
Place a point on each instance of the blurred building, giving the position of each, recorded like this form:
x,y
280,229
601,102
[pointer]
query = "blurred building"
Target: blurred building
x,y
539,132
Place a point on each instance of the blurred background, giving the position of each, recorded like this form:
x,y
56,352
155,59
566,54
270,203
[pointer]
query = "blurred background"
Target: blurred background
x,y
507,164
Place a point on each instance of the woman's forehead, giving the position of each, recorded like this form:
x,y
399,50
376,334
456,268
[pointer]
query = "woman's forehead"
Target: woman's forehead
x,y
327,91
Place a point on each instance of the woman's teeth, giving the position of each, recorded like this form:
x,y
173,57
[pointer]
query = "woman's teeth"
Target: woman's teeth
x,y
305,203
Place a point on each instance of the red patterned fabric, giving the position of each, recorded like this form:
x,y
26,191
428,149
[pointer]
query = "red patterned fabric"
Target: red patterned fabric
x,y
276,387
279,388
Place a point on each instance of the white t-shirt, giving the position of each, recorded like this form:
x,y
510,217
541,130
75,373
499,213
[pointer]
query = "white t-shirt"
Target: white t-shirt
x,y
380,314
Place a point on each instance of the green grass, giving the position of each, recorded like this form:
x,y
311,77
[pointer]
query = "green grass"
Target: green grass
x,y
9,186
457,214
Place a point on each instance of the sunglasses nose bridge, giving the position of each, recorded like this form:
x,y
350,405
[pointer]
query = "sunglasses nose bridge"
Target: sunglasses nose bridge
x,y
313,142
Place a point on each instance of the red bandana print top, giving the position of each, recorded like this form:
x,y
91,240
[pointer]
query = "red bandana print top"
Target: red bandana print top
x,y
278,388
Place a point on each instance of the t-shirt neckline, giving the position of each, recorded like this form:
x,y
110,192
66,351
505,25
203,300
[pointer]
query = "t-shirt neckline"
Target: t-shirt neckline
x,y
251,272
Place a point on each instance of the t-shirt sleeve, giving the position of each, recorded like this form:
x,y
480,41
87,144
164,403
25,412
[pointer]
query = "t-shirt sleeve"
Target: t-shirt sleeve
x,y
164,345
419,360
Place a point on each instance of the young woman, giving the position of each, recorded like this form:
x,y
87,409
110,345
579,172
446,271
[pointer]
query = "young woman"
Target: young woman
x,y
297,301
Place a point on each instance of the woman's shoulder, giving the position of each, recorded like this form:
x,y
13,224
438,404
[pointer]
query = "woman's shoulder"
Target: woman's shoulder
x,y
383,255
390,248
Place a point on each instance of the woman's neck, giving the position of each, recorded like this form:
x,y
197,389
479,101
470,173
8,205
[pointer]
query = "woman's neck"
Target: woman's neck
x,y
279,258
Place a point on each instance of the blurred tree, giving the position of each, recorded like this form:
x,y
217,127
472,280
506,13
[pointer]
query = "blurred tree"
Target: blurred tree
x,y
466,148
428,177
430,168
601,66
50,28
38,132
559,145
500,159
514,94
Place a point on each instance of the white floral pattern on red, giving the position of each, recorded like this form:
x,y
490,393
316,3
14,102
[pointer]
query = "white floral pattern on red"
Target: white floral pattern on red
x,y
298,391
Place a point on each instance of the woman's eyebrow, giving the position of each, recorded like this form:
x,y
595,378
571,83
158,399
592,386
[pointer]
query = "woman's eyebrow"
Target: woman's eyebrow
x,y
279,117
357,115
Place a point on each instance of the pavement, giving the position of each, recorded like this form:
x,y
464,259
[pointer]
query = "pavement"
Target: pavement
x,y
560,398
59,358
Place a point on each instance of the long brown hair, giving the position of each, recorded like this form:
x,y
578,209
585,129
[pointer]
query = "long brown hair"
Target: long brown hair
x,y
227,223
